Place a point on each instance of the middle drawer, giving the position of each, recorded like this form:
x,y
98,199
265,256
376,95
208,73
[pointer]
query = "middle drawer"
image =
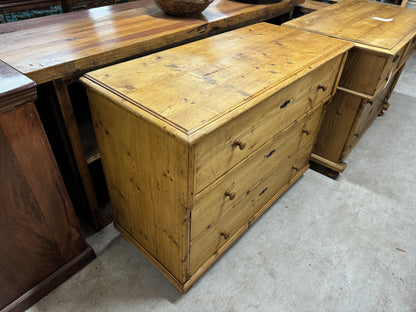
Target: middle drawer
x,y
253,169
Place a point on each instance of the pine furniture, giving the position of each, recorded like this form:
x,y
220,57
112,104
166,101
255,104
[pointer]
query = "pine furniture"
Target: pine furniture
x,y
384,37
199,140
55,51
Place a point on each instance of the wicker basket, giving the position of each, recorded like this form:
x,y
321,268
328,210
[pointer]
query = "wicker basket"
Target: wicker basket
x,y
183,7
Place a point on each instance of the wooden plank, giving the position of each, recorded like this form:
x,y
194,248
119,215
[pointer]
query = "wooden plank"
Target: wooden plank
x,y
383,27
83,41
337,167
148,186
73,132
232,86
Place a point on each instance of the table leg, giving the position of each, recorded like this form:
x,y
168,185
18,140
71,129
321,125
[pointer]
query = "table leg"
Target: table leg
x,y
65,104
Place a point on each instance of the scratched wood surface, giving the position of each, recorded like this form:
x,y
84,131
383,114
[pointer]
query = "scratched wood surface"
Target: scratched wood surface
x,y
151,115
57,46
232,69
381,26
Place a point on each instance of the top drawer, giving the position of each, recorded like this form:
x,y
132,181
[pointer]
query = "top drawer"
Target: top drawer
x,y
224,148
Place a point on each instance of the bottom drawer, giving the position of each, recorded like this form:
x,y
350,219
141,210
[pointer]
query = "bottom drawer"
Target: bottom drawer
x,y
230,219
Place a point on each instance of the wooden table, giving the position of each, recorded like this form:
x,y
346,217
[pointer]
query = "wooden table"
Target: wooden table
x,y
59,49
41,244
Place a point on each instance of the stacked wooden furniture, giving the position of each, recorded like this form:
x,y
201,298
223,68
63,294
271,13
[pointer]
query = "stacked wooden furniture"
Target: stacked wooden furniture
x,y
199,140
55,51
41,243
384,37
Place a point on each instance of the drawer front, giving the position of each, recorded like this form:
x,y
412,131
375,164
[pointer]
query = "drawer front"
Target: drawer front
x,y
258,165
228,216
228,145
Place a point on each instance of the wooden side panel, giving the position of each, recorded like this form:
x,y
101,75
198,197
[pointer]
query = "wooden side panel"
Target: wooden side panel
x,y
146,169
336,125
355,20
364,71
39,231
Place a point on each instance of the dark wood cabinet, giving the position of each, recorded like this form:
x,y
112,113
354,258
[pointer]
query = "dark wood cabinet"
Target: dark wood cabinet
x,y
41,243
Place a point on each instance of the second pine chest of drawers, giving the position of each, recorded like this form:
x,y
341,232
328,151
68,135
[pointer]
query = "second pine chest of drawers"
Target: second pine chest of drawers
x,y
199,140
384,37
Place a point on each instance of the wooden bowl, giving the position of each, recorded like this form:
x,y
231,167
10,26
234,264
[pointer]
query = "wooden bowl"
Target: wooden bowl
x,y
183,7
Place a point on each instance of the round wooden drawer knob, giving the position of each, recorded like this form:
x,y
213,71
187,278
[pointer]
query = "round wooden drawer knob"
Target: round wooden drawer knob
x,y
240,144
322,87
295,167
230,194
307,132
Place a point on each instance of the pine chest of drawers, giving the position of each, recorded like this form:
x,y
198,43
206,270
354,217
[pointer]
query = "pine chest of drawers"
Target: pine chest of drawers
x,y
384,37
199,140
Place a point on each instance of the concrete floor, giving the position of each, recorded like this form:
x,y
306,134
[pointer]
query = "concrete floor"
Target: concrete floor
x,y
326,245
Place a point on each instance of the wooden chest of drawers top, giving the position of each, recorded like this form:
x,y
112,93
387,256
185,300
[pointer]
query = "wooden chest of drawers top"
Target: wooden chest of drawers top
x,y
201,78
371,25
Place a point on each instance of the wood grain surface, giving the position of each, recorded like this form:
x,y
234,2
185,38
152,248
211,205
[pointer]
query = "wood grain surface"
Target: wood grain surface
x,y
383,27
60,46
264,61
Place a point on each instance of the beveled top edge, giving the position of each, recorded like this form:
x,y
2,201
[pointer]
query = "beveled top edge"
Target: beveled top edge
x,y
113,78
15,88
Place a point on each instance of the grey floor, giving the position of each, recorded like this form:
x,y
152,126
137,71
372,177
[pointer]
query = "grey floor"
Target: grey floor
x,y
326,245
